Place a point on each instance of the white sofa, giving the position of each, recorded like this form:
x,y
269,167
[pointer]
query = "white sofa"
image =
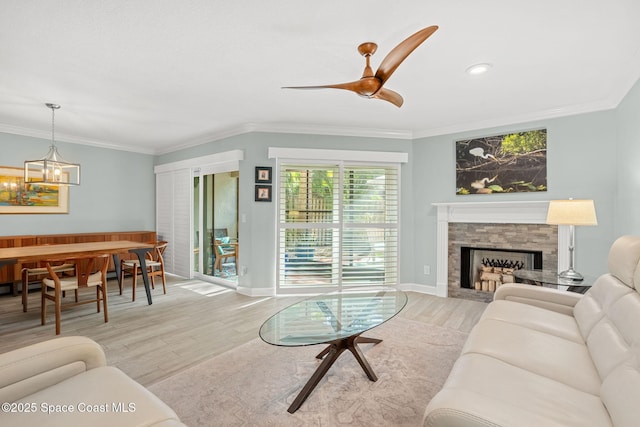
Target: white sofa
x,y
544,357
65,382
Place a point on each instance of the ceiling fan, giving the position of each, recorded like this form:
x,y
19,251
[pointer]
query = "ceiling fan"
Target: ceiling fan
x,y
371,85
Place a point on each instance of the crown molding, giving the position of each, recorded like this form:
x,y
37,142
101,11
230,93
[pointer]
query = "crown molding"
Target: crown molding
x,y
61,137
290,128
611,102
211,137
555,113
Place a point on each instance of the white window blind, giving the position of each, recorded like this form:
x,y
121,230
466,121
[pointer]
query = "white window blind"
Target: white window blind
x,y
173,204
182,189
338,225
164,215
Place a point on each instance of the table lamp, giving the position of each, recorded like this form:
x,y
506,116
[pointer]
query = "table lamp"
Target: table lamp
x,y
571,212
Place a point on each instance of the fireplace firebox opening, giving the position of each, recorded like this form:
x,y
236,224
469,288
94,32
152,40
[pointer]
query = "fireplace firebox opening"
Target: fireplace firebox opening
x,y
486,269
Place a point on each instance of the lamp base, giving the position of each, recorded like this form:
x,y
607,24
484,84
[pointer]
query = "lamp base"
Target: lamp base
x,y
571,274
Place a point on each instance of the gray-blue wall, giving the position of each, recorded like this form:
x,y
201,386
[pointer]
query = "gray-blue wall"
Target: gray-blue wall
x,y
581,163
258,234
627,213
117,191
593,155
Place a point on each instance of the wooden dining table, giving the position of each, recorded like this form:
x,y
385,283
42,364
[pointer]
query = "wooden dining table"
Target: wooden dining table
x,y
24,254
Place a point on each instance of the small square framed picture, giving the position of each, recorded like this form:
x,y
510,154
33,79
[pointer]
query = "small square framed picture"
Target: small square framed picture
x,y
263,174
263,193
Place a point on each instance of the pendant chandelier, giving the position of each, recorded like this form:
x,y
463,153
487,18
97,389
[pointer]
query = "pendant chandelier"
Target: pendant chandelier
x,y
52,169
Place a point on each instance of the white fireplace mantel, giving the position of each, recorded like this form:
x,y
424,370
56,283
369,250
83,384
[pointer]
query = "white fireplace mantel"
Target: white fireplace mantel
x,y
525,212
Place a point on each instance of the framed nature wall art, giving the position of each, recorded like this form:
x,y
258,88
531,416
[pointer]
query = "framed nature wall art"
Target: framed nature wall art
x,y
16,197
510,163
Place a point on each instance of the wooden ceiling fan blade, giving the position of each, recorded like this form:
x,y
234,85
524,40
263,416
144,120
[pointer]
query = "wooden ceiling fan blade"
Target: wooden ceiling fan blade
x,y
388,95
400,52
353,86
366,86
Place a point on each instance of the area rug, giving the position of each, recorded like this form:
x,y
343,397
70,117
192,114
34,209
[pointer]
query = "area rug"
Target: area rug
x,y
254,384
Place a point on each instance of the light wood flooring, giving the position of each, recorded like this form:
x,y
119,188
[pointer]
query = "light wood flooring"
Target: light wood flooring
x,y
194,321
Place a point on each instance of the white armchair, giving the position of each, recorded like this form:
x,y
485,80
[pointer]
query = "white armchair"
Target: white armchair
x,y
65,381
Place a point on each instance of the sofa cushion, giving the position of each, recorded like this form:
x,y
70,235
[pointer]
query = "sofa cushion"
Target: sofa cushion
x,y
624,258
595,304
538,296
491,392
608,317
102,396
536,318
27,370
620,391
537,352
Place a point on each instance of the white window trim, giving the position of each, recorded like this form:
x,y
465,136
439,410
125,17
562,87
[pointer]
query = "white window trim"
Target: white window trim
x,y
344,155
201,162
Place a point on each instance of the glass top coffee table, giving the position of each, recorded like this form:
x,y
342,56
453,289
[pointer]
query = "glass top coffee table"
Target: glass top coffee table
x,y
551,279
336,319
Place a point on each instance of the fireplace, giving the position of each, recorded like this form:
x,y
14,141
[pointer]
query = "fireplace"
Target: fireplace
x,y
485,269
493,225
497,237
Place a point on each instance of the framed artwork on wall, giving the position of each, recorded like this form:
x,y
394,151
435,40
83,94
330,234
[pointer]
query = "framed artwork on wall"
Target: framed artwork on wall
x,y
263,193
263,175
18,197
509,163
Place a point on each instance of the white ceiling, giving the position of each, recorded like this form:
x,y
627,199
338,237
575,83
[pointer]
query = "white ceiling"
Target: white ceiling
x,y
154,76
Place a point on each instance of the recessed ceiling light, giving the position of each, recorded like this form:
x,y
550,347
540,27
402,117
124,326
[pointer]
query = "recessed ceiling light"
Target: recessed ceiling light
x,y
476,69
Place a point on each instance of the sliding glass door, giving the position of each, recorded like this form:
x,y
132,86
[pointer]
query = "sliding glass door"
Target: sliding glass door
x,y
337,226
215,213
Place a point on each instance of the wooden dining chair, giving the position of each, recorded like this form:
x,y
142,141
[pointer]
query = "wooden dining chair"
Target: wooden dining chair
x,y
90,272
155,267
37,271
41,270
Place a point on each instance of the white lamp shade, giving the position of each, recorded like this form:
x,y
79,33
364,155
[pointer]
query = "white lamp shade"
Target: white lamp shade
x,y
572,212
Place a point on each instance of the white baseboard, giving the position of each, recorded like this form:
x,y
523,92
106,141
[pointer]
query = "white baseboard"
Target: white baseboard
x,y
424,289
270,292
256,292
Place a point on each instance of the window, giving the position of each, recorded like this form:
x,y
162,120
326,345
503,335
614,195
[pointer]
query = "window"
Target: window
x,y
337,225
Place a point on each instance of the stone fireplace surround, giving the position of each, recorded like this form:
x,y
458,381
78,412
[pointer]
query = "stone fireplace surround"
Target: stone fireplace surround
x,y
534,237
522,224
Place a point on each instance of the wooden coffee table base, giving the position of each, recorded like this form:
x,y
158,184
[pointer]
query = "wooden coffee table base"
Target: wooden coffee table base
x,y
330,355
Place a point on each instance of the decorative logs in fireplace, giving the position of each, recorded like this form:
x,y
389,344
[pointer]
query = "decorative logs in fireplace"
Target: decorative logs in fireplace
x,y
491,278
486,269
504,263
